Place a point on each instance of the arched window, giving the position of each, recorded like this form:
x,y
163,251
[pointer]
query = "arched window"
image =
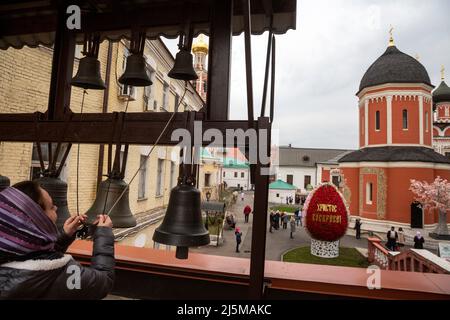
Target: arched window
x,y
426,121
377,120
405,119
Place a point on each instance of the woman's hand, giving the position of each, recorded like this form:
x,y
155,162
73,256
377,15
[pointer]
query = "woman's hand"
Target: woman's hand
x,y
73,223
103,221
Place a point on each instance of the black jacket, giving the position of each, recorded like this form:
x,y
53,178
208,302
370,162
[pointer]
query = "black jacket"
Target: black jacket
x,y
55,275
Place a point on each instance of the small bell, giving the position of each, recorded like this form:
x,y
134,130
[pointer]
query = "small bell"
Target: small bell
x,y
57,189
88,75
135,72
182,225
108,193
183,68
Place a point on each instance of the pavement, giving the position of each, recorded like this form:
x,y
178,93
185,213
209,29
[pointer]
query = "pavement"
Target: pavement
x,y
277,242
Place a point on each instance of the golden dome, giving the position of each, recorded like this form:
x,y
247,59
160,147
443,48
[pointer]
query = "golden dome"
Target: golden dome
x,y
200,45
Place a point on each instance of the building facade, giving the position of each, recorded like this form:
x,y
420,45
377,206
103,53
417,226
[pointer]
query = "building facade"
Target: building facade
x,y
25,79
395,138
441,128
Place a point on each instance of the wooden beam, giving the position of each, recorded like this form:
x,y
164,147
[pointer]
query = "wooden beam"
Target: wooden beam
x,y
219,63
62,66
97,128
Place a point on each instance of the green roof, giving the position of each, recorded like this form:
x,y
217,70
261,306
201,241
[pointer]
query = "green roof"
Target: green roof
x,y
280,184
234,163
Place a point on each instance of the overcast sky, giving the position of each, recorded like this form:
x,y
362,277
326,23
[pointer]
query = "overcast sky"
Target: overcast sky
x,y
319,65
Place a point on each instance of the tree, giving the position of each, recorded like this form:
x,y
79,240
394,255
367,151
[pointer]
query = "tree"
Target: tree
x,y
435,195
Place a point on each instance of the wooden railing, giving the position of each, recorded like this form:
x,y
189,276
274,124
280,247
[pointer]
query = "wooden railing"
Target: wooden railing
x,y
145,273
411,260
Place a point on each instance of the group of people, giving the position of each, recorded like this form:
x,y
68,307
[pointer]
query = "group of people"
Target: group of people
x,y
277,219
395,239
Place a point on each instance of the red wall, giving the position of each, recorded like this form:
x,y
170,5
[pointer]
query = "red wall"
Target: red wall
x,y
325,175
377,137
361,126
369,210
351,176
427,136
411,135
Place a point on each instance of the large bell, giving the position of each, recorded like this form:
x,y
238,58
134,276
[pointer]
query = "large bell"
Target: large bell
x,y
135,72
57,189
4,182
183,68
109,191
182,225
88,75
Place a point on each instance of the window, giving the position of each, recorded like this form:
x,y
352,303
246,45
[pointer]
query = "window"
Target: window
x,y
159,178
205,86
290,179
142,187
177,99
369,189
377,120
207,179
405,119
235,174
149,93
165,103
335,180
278,195
307,181
35,170
242,174
447,111
426,121
362,124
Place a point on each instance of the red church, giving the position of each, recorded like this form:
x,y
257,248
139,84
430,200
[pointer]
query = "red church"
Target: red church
x,y
395,145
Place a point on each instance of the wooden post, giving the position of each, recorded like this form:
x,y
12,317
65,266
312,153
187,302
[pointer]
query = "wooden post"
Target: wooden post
x,y
219,63
62,67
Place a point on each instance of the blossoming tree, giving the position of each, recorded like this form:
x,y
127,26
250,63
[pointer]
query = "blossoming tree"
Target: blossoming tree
x,y
434,195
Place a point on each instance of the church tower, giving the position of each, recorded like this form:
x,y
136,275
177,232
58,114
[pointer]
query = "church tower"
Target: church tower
x,y
441,129
200,50
395,144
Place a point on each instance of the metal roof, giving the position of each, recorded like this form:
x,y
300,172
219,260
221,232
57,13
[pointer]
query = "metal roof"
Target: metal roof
x,y
306,157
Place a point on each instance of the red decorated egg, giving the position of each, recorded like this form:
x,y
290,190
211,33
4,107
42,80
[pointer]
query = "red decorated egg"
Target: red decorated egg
x,y
326,213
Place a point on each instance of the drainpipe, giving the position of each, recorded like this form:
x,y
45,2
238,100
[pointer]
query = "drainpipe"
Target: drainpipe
x,y
101,152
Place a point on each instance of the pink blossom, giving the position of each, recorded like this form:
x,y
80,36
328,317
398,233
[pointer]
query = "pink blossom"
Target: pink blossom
x,y
432,195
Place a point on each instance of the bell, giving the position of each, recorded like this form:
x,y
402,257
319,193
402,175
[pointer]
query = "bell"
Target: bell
x,y
136,72
182,225
4,182
183,68
88,75
57,189
109,191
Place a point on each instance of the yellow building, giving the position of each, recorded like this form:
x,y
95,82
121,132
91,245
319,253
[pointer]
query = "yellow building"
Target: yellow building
x,y
24,87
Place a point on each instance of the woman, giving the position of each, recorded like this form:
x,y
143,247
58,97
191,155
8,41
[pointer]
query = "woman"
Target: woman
x,y
238,235
292,223
401,238
418,241
358,228
32,260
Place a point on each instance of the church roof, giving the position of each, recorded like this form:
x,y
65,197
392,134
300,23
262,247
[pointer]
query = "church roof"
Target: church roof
x,y
442,93
395,154
281,185
394,66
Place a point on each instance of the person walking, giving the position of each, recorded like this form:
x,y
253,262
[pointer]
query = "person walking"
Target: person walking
x,y
292,223
247,211
242,195
296,215
238,235
401,238
277,220
285,220
418,241
271,220
358,228
392,237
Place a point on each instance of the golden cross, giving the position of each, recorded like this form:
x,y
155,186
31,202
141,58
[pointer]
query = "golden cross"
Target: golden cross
x,y
442,72
391,39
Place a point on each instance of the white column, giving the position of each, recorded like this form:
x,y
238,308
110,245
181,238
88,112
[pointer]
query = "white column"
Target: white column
x,y
389,119
366,122
421,119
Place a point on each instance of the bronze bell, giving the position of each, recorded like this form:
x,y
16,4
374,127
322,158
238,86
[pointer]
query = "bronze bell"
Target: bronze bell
x,y
135,72
4,182
183,68
109,191
88,75
57,189
182,225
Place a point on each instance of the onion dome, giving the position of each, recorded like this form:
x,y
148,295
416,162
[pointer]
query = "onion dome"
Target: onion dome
x,y
442,93
200,45
394,66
